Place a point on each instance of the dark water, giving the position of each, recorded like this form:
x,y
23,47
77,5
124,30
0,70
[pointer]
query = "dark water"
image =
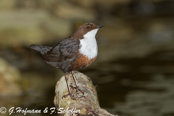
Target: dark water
x,y
128,86
139,86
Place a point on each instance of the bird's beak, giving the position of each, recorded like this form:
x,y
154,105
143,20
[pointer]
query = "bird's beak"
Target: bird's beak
x,y
100,26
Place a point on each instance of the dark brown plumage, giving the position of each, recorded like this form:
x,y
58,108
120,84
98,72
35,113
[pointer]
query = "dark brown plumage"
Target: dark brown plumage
x,y
67,54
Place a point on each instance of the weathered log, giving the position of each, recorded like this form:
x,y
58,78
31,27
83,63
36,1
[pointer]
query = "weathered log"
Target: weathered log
x,y
84,103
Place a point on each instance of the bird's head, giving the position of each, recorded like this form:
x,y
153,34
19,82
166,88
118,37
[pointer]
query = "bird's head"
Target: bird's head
x,y
87,30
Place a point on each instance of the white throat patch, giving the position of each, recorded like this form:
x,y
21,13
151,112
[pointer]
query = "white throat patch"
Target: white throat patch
x,y
88,45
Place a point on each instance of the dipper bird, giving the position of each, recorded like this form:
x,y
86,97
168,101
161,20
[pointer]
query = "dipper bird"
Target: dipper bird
x,y
76,52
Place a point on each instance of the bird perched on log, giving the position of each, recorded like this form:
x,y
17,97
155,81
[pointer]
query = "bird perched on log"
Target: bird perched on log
x,y
76,52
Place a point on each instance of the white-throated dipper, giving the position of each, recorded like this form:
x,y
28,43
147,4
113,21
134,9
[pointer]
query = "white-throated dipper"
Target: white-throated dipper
x,y
73,53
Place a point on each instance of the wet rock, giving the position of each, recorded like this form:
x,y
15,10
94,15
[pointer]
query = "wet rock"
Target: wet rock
x,y
28,27
85,3
29,4
9,80
7,4
85,101
111,2
69,11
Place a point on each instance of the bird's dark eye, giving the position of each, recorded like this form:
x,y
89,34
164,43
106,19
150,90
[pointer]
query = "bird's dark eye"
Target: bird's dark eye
x,y
88,27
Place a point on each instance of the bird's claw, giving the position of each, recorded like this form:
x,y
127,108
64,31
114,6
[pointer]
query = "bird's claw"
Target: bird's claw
x,y
71,95
78,90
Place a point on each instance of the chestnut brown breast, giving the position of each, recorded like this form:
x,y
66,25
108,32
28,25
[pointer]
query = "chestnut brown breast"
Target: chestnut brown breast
x,y
82,62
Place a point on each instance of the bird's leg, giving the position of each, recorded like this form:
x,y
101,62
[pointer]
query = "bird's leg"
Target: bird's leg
x,y
77,87
66,78
74,78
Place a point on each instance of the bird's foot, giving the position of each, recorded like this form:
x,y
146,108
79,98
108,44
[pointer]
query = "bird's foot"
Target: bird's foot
x,y
74,95
69,94
78,90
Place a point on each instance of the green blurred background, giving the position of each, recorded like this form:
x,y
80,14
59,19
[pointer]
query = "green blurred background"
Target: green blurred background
x,y
134,71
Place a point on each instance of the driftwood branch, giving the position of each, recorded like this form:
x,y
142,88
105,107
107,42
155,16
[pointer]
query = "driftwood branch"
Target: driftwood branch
x,y
84,104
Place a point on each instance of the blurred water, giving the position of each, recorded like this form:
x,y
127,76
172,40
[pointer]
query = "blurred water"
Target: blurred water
x,y
134,71
126,86
135,86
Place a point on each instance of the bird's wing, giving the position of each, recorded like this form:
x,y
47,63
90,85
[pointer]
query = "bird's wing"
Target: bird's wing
x,y
63,51
63,54
68,49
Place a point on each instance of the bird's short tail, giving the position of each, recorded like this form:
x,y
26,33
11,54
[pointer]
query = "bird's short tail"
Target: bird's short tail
x,y
40,48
